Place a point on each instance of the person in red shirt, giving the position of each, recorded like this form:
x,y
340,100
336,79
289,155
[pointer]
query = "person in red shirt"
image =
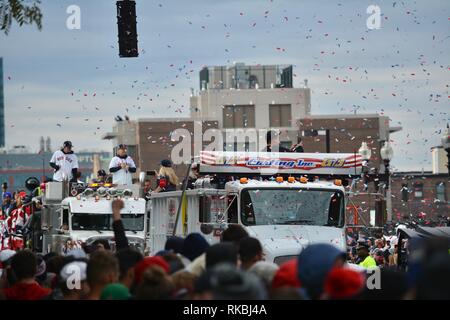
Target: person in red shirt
x,y
24,267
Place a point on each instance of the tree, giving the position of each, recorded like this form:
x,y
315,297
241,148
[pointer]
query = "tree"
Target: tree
x,y
22,11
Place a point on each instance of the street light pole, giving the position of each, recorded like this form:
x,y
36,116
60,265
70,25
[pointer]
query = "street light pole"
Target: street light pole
x,y
365,153
386,173
386,153
448,160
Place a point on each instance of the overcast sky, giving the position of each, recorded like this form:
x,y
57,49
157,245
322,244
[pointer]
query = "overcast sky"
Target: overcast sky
x,y
69,84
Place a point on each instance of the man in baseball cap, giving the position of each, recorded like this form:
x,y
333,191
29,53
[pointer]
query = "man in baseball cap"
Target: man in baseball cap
x,y
22,194
101,176
122,167
67,144
362,250
7,204
65,163
4,189
73,280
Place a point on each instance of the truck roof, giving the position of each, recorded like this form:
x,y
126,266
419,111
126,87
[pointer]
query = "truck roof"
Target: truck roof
x,y
103,205
251,183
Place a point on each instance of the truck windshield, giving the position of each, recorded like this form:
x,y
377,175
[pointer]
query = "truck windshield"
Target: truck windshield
x,y
317,207
103,222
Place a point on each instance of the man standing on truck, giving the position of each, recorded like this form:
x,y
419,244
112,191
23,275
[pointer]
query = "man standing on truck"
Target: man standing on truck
x,y
65,163
122,167
273,143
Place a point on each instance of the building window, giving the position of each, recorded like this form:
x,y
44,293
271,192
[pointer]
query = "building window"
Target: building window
x,y
239,116
418,190
405,193
310,133
440,192
280,115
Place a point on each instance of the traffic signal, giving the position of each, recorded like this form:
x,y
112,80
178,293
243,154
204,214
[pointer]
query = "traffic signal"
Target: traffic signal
x,y
126,21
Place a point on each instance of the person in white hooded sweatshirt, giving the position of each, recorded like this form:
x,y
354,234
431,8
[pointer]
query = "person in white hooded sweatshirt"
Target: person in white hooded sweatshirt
x,y
122,167
65,164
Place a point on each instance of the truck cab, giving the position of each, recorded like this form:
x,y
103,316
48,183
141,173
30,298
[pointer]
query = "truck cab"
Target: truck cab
x,y
76,215
285,211
86,219
285,216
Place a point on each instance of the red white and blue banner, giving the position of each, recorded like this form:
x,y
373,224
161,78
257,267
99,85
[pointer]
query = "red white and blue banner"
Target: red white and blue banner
x,y
280,163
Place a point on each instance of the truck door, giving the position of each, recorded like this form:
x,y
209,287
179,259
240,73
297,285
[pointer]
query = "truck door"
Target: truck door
x,y
212,215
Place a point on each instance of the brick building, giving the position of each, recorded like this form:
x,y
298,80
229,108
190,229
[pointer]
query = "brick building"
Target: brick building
x,y
414,193
344,133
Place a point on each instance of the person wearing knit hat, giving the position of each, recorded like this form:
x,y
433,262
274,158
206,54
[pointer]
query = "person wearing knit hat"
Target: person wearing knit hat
x,y
194,245
286,276
265,270
66,277
6,255
155,284
229,283
76,253
147,262
166,163
343,283
5,260
22,194
314,263
167,178
226,282
221,253
69,268
115,291
174,244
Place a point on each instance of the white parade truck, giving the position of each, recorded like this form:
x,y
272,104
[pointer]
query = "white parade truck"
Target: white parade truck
x,y
76,215
285,200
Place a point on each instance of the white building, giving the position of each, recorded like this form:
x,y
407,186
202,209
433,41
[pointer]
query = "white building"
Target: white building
x,y
439,160
244,97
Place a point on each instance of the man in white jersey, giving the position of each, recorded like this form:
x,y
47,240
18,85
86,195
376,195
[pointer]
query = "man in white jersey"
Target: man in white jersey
x,y
65,164
122,167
